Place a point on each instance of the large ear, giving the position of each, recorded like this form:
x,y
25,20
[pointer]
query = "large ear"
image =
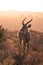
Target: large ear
x,y
29,21
29,26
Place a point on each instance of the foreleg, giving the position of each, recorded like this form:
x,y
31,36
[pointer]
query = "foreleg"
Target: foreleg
x,y
27,47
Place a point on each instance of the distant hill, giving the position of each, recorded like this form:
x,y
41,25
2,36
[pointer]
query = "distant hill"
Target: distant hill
x,y
13,19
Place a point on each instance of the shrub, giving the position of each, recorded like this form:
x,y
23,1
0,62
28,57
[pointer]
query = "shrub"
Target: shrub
x,y
8,61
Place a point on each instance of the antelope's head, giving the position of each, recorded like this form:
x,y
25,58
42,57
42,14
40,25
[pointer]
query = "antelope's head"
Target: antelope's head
x,y
25,25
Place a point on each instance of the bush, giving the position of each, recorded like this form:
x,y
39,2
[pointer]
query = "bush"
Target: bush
x,y
8,61
2,34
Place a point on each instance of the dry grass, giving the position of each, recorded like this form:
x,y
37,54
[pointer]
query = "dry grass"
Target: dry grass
x,y
9,50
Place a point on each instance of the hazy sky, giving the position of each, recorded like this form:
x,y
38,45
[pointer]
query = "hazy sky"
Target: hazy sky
x,y
21,5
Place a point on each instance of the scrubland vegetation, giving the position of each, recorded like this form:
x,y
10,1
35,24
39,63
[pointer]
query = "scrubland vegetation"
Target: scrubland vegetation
x,y
9,48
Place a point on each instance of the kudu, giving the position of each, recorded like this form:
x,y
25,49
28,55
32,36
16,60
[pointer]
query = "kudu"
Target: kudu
x,y
24,35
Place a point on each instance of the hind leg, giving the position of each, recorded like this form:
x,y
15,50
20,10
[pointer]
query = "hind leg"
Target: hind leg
x,y
20,48
24,46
